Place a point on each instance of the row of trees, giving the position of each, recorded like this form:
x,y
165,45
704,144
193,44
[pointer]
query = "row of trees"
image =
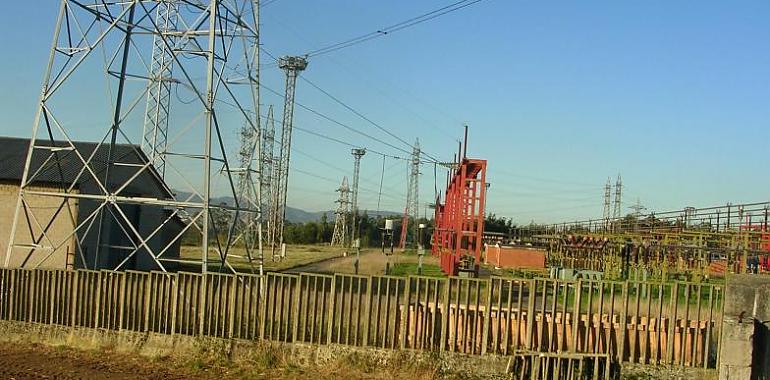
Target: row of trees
x,y
370,229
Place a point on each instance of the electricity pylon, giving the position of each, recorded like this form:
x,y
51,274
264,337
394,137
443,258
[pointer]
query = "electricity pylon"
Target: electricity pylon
x,y
341,215
607,199
213,45
617,201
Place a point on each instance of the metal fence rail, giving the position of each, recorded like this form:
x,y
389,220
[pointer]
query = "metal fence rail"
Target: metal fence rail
x,y
639,322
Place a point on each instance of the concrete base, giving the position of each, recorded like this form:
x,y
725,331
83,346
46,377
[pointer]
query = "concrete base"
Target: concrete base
x,y
745,350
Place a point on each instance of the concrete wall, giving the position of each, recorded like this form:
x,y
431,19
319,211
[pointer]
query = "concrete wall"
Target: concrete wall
x,y
745,352
41,213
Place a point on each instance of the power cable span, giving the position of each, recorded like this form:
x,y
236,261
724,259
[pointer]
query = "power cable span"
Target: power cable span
x,y
456,6
362,116
341,124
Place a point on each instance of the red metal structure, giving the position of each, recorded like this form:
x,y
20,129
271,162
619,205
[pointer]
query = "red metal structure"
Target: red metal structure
x,y
459,230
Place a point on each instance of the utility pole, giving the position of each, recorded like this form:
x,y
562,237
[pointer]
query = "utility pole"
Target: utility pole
x,y
292,66
341,215
607,195
412,209
357,154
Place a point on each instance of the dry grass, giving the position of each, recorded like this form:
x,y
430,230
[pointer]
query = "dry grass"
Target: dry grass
x,y
277,362
296,255
265,361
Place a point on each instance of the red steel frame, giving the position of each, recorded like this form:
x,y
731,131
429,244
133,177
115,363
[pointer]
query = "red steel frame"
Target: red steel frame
x,y
459,221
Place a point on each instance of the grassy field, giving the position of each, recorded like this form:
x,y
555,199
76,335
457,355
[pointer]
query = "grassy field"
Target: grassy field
x,y
410,269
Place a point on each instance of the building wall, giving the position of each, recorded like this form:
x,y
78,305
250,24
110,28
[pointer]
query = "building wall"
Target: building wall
x,y
515,257
43,209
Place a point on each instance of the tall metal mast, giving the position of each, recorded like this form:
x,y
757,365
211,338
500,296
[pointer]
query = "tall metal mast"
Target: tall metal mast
x,y
292,66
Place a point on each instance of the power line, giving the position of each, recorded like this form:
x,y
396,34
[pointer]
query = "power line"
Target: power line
x,y
337,168
354,111
266,3
341,124
359,114
395,27
331,180
336,140
374,85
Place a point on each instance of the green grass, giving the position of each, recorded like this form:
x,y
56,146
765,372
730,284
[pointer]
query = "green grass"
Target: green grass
x,y
410,269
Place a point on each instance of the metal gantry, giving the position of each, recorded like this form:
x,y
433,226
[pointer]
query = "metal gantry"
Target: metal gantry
x,y
459,221
99,55
292,66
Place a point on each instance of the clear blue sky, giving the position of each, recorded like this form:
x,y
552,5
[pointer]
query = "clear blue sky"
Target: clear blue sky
x,y
559,95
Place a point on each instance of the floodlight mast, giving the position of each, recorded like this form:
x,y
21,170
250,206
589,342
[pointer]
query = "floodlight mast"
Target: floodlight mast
x,y
292,66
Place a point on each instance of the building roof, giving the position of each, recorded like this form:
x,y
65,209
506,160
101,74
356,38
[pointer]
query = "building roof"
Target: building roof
x,y
63,164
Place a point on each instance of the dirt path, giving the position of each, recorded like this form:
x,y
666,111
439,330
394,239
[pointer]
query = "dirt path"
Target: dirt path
x,y
34,361
372,262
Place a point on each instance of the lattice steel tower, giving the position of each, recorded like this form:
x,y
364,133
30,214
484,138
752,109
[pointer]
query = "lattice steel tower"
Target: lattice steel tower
x,y
607,200
341,215
357,154
100,55
158,103
617,201
266,167
292,66
412,209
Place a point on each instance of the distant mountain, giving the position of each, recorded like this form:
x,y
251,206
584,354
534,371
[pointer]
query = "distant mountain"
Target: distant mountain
x,y
296,215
